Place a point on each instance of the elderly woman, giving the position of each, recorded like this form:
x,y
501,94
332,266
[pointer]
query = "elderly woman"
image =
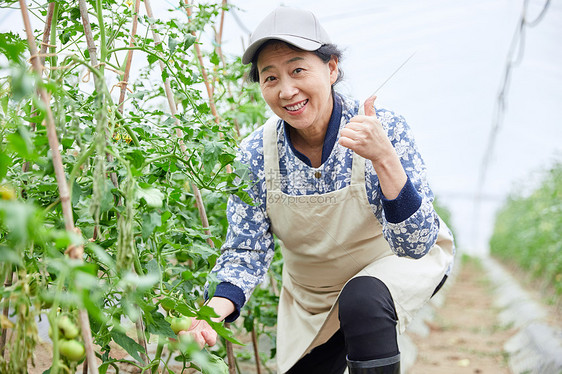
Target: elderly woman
x,y
343,186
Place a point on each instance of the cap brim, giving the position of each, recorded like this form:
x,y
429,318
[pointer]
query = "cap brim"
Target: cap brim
x,y
297,41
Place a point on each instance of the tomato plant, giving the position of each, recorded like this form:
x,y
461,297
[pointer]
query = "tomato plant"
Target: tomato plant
x,y
528,231
147,160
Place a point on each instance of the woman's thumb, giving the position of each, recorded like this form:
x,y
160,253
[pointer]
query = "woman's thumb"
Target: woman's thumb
x,y
370,106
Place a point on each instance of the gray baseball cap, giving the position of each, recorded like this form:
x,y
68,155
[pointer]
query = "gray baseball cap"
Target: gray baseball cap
x,y
294,26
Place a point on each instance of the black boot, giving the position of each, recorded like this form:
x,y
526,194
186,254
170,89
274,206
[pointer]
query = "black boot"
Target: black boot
x,y
390,365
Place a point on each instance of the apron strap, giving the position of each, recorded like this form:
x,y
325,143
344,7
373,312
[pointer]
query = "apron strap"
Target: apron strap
x,y
271,158
357,170
271,155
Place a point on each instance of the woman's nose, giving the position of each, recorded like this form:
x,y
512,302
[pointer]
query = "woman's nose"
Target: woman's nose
x,y
287,90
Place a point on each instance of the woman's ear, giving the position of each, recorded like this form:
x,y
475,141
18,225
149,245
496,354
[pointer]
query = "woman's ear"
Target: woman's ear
x,y
333,66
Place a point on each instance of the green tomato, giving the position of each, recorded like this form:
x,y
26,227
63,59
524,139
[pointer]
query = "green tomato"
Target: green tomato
x,y
72,349
46,300
68,328
180,323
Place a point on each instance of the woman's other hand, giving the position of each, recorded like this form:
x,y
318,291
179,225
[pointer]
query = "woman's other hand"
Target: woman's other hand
x,y
201,332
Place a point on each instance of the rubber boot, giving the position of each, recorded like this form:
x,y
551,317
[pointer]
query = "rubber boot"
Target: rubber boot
x,y
390,365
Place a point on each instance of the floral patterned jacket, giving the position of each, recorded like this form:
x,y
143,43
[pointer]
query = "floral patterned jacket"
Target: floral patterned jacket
x,y
409,222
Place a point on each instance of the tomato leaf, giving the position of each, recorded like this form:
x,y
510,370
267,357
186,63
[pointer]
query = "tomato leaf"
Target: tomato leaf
x,y
149,223
152,196
157,325
132,347
12,46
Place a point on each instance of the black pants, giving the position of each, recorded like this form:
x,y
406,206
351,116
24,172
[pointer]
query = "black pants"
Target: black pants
x,y
367,329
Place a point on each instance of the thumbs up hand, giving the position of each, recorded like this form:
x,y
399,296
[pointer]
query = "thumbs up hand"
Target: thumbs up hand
x,y
366,137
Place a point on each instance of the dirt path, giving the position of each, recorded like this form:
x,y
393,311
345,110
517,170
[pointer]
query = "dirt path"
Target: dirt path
x,y
465,336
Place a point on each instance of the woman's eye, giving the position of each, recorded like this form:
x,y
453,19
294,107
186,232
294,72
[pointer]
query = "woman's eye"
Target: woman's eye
x,y
270,79
297,70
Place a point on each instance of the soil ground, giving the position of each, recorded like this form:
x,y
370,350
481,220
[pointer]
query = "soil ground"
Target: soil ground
x,y
464,336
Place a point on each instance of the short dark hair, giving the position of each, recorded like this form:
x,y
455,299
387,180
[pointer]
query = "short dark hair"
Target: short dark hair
x,y
325,53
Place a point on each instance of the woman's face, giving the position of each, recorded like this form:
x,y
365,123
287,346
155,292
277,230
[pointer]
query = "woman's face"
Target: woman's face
x,y
297,85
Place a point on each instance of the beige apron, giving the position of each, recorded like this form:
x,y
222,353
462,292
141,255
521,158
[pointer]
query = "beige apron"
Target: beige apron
x,y
327,240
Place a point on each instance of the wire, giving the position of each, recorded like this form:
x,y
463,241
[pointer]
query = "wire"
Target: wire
x,y
239,21
513,59
517,44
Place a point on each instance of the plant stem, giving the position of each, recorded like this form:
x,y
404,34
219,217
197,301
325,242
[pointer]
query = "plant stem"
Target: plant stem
x,y
159,350
256,350
273,284
81,160
230,354
139,326
51,23
103,46
139,323
101,117
133,136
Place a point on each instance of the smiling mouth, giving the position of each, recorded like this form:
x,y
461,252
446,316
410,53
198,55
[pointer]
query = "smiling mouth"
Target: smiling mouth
x,y
296,107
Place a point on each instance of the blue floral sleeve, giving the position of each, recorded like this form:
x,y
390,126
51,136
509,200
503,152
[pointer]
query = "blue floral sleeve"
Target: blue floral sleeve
x,y
249,246
410,224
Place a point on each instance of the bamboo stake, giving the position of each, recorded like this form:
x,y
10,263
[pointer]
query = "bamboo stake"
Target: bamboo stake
x,y
88,32
47,31
51,130
129,57
218,40
179,133
203,70
77,251
42,52
221,26
6,310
